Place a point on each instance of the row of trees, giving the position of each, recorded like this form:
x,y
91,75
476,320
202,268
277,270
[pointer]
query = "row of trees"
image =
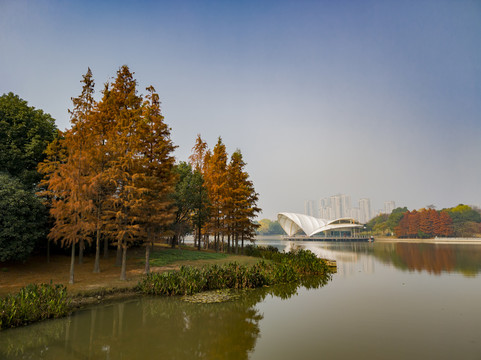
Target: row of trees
x,y
232,200
459,221
426,223
112,177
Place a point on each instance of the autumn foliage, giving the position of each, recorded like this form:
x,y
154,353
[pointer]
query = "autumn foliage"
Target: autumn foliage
x,y
232,197
425,223
112,177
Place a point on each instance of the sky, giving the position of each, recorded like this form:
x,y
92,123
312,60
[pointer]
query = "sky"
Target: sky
x,y
377,99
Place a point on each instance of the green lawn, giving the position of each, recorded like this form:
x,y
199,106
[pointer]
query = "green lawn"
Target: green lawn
x,y
168,256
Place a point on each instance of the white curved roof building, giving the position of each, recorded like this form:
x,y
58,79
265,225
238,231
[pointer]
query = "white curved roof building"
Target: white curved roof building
x,y
292,223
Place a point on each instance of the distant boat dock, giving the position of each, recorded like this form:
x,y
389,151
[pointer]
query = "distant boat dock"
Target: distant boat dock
x,y
357,238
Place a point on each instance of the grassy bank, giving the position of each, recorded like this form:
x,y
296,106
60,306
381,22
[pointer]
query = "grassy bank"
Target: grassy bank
x,y
171,256
14,276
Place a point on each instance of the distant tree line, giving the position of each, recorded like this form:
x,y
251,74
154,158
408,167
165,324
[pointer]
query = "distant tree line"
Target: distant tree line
x,y
112,179
459,221
269,227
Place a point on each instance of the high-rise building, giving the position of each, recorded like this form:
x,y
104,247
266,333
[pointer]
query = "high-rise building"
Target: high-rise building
x,y
389,206
365,212
325,210
340,205
327,213
336,205
354,213
309,206
345,206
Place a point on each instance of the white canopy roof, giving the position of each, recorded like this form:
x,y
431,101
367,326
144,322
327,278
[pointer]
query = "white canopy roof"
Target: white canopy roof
x,y
292,223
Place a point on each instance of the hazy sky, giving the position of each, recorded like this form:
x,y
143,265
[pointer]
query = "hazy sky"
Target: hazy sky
x,y
378,99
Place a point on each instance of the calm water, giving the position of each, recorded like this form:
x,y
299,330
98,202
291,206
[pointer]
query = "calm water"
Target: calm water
x,y
387,301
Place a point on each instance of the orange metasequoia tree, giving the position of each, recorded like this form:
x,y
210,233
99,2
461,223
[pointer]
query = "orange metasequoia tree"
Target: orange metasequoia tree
x,y
232,198
156,174
198,161
216,184
242,200
124,169
67,180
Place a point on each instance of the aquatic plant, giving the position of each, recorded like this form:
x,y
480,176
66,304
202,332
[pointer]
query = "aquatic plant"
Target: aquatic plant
x,y
281,268
303,261
33,303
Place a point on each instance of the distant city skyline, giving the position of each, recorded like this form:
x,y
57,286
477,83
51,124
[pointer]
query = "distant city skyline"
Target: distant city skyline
x,y
340,206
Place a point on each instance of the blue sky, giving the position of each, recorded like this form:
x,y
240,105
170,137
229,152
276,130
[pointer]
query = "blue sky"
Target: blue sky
x,y
378,99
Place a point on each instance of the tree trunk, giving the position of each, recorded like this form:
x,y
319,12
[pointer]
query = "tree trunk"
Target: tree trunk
x,y
124,262
48,251
147,258
106,248
199,236
118,260
81,252
97,253
72,264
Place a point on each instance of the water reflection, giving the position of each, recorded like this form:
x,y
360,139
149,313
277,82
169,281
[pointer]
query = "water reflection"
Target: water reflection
x,y
432,258
160,327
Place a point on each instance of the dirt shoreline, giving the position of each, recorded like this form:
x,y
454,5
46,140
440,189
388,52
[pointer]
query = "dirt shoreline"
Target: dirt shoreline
x,y
103,296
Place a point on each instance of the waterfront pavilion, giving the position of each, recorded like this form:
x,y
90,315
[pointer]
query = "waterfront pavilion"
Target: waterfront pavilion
x,y
293,223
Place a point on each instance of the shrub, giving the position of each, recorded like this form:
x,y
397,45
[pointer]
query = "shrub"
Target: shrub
x,y
22,220
260,251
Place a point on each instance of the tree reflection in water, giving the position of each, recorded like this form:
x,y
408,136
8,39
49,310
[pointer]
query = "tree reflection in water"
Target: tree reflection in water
x,y
161,327
433,258
413,256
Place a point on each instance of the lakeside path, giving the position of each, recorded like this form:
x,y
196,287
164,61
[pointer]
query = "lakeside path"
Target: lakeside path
x,y
94,288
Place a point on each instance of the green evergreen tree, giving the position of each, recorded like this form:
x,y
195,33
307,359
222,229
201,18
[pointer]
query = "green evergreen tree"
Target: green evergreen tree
x,y
25,133
22,219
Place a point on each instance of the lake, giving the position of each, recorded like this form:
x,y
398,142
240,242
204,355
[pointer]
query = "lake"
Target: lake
x,y
388,300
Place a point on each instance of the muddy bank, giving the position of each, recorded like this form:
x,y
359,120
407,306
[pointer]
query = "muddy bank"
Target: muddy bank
x,y
103,296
